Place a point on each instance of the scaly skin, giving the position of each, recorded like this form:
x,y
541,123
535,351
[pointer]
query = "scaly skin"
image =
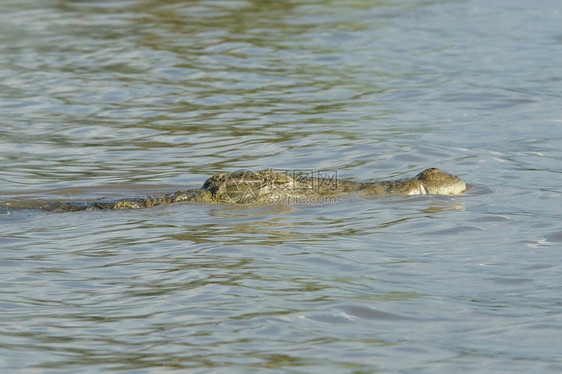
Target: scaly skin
x,y
271,186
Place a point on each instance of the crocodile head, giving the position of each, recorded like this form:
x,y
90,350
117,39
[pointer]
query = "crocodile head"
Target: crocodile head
x,y
436,182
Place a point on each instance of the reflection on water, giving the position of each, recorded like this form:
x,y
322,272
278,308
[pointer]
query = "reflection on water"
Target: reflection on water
x,y
139,97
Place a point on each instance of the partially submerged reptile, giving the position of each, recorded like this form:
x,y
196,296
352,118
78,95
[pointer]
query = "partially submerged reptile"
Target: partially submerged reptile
x,y
270,186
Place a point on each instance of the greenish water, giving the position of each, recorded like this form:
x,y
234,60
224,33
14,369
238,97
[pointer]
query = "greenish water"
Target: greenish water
x,y
113,98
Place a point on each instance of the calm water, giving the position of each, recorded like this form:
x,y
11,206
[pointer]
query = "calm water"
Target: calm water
x,y
119,98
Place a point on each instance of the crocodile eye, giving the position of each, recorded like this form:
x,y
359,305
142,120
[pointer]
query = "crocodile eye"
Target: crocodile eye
x,y
214,190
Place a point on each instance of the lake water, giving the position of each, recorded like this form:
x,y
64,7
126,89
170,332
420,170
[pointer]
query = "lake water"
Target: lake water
x,y
120,98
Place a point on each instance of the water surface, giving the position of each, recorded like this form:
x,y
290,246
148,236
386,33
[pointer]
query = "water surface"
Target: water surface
x,y
132,97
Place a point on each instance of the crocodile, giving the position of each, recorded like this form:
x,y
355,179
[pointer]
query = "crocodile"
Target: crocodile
x,y
271,186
